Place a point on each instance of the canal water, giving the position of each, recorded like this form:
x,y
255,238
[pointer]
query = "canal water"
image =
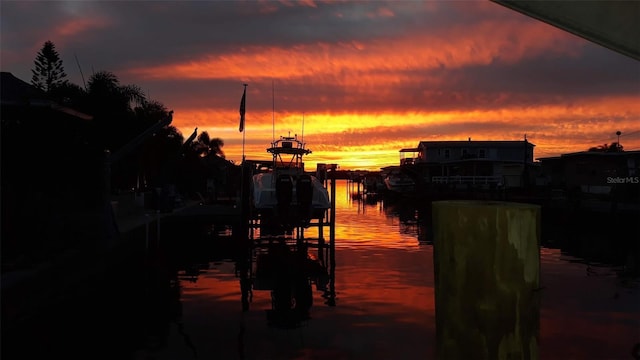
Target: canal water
x,y
381,307
384,300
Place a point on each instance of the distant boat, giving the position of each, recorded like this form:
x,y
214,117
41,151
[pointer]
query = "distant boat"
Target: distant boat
x,y
374,183
286,196
398,182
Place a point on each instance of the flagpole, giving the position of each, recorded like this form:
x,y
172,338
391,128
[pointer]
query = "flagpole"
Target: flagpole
x,y
243,137
244,181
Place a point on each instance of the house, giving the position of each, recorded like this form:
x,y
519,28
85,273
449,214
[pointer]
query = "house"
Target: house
x,y
49,171
491,163
594,172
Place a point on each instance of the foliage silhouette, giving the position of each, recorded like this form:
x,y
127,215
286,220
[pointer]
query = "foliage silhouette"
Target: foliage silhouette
x,y
120,113
613,147
48,70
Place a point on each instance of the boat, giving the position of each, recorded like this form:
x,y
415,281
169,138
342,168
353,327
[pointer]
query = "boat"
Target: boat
x,y
285,195
397,181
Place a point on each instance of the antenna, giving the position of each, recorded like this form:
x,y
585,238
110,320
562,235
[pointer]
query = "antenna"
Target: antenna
x,y
302,139
273,113
81,74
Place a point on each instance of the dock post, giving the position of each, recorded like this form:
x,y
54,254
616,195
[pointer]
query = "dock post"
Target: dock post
x,y
146,232
331,301
321,245
157,228
246,218
487,279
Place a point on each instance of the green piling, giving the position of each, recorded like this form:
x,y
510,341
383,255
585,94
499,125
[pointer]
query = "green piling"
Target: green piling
x,y
487,279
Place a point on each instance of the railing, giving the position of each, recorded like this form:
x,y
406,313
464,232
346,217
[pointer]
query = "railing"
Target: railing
x,y
466,179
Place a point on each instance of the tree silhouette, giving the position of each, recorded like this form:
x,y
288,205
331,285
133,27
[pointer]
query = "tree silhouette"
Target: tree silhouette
x,y
48,72
113,106
69,94
106,92
205,146
613,147
216,145
121,113
202,144
160,153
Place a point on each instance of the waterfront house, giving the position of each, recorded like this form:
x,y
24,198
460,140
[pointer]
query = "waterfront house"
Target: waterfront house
x,y
594,172
480,163
50,180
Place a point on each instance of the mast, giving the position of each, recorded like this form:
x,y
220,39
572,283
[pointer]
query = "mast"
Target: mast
x,y
273,113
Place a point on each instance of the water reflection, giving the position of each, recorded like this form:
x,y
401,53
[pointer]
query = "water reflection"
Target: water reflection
x,y
288,272
202,294
101,315
264,305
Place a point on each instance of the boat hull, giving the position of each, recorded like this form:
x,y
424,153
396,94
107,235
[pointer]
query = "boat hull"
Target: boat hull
x,y
399,184
266,199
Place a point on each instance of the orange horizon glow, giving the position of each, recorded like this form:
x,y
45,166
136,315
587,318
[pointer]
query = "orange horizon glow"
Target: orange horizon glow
x,y
362,141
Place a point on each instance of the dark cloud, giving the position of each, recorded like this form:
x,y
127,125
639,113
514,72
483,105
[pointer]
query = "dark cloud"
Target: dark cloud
x,y
155,32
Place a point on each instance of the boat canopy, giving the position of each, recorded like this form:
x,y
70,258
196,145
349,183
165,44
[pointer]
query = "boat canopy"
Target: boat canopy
x,y
288,145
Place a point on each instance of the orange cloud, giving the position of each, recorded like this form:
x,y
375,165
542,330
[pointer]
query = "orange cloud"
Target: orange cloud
x,y
360,63
78,26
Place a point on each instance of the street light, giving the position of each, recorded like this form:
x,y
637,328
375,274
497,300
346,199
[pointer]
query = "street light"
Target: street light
x,y
618,144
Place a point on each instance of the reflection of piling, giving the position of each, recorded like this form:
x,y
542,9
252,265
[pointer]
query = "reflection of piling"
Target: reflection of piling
x,y
487,263
245,205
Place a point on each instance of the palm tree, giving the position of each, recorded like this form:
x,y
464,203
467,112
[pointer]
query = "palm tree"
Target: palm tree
x,y
113,106
215,146
205,146
106,92
613,147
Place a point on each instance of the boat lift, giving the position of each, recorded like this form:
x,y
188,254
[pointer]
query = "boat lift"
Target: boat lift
x,y
306,237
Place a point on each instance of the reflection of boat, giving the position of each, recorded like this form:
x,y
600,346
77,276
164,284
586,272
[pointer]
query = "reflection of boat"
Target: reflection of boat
x,y
288,272
373,183
398,182
286,195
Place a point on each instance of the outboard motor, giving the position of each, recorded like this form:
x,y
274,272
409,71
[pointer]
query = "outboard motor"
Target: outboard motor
x,y
304,195
284,194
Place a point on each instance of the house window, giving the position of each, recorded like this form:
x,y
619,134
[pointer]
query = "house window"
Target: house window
x,y
447,153
482,153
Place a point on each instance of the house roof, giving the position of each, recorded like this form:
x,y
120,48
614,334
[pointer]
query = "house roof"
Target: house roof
x,y
592,153
473,143
15,92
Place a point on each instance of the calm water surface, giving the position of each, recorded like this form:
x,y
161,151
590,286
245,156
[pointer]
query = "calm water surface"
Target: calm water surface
x,y
384,306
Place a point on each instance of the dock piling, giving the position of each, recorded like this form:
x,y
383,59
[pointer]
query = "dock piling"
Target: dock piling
x,y
487,279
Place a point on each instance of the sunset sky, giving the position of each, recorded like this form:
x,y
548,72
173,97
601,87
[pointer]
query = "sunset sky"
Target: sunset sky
x,y
368,78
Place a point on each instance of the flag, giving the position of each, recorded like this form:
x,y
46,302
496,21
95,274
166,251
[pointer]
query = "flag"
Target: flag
x,y
242,109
